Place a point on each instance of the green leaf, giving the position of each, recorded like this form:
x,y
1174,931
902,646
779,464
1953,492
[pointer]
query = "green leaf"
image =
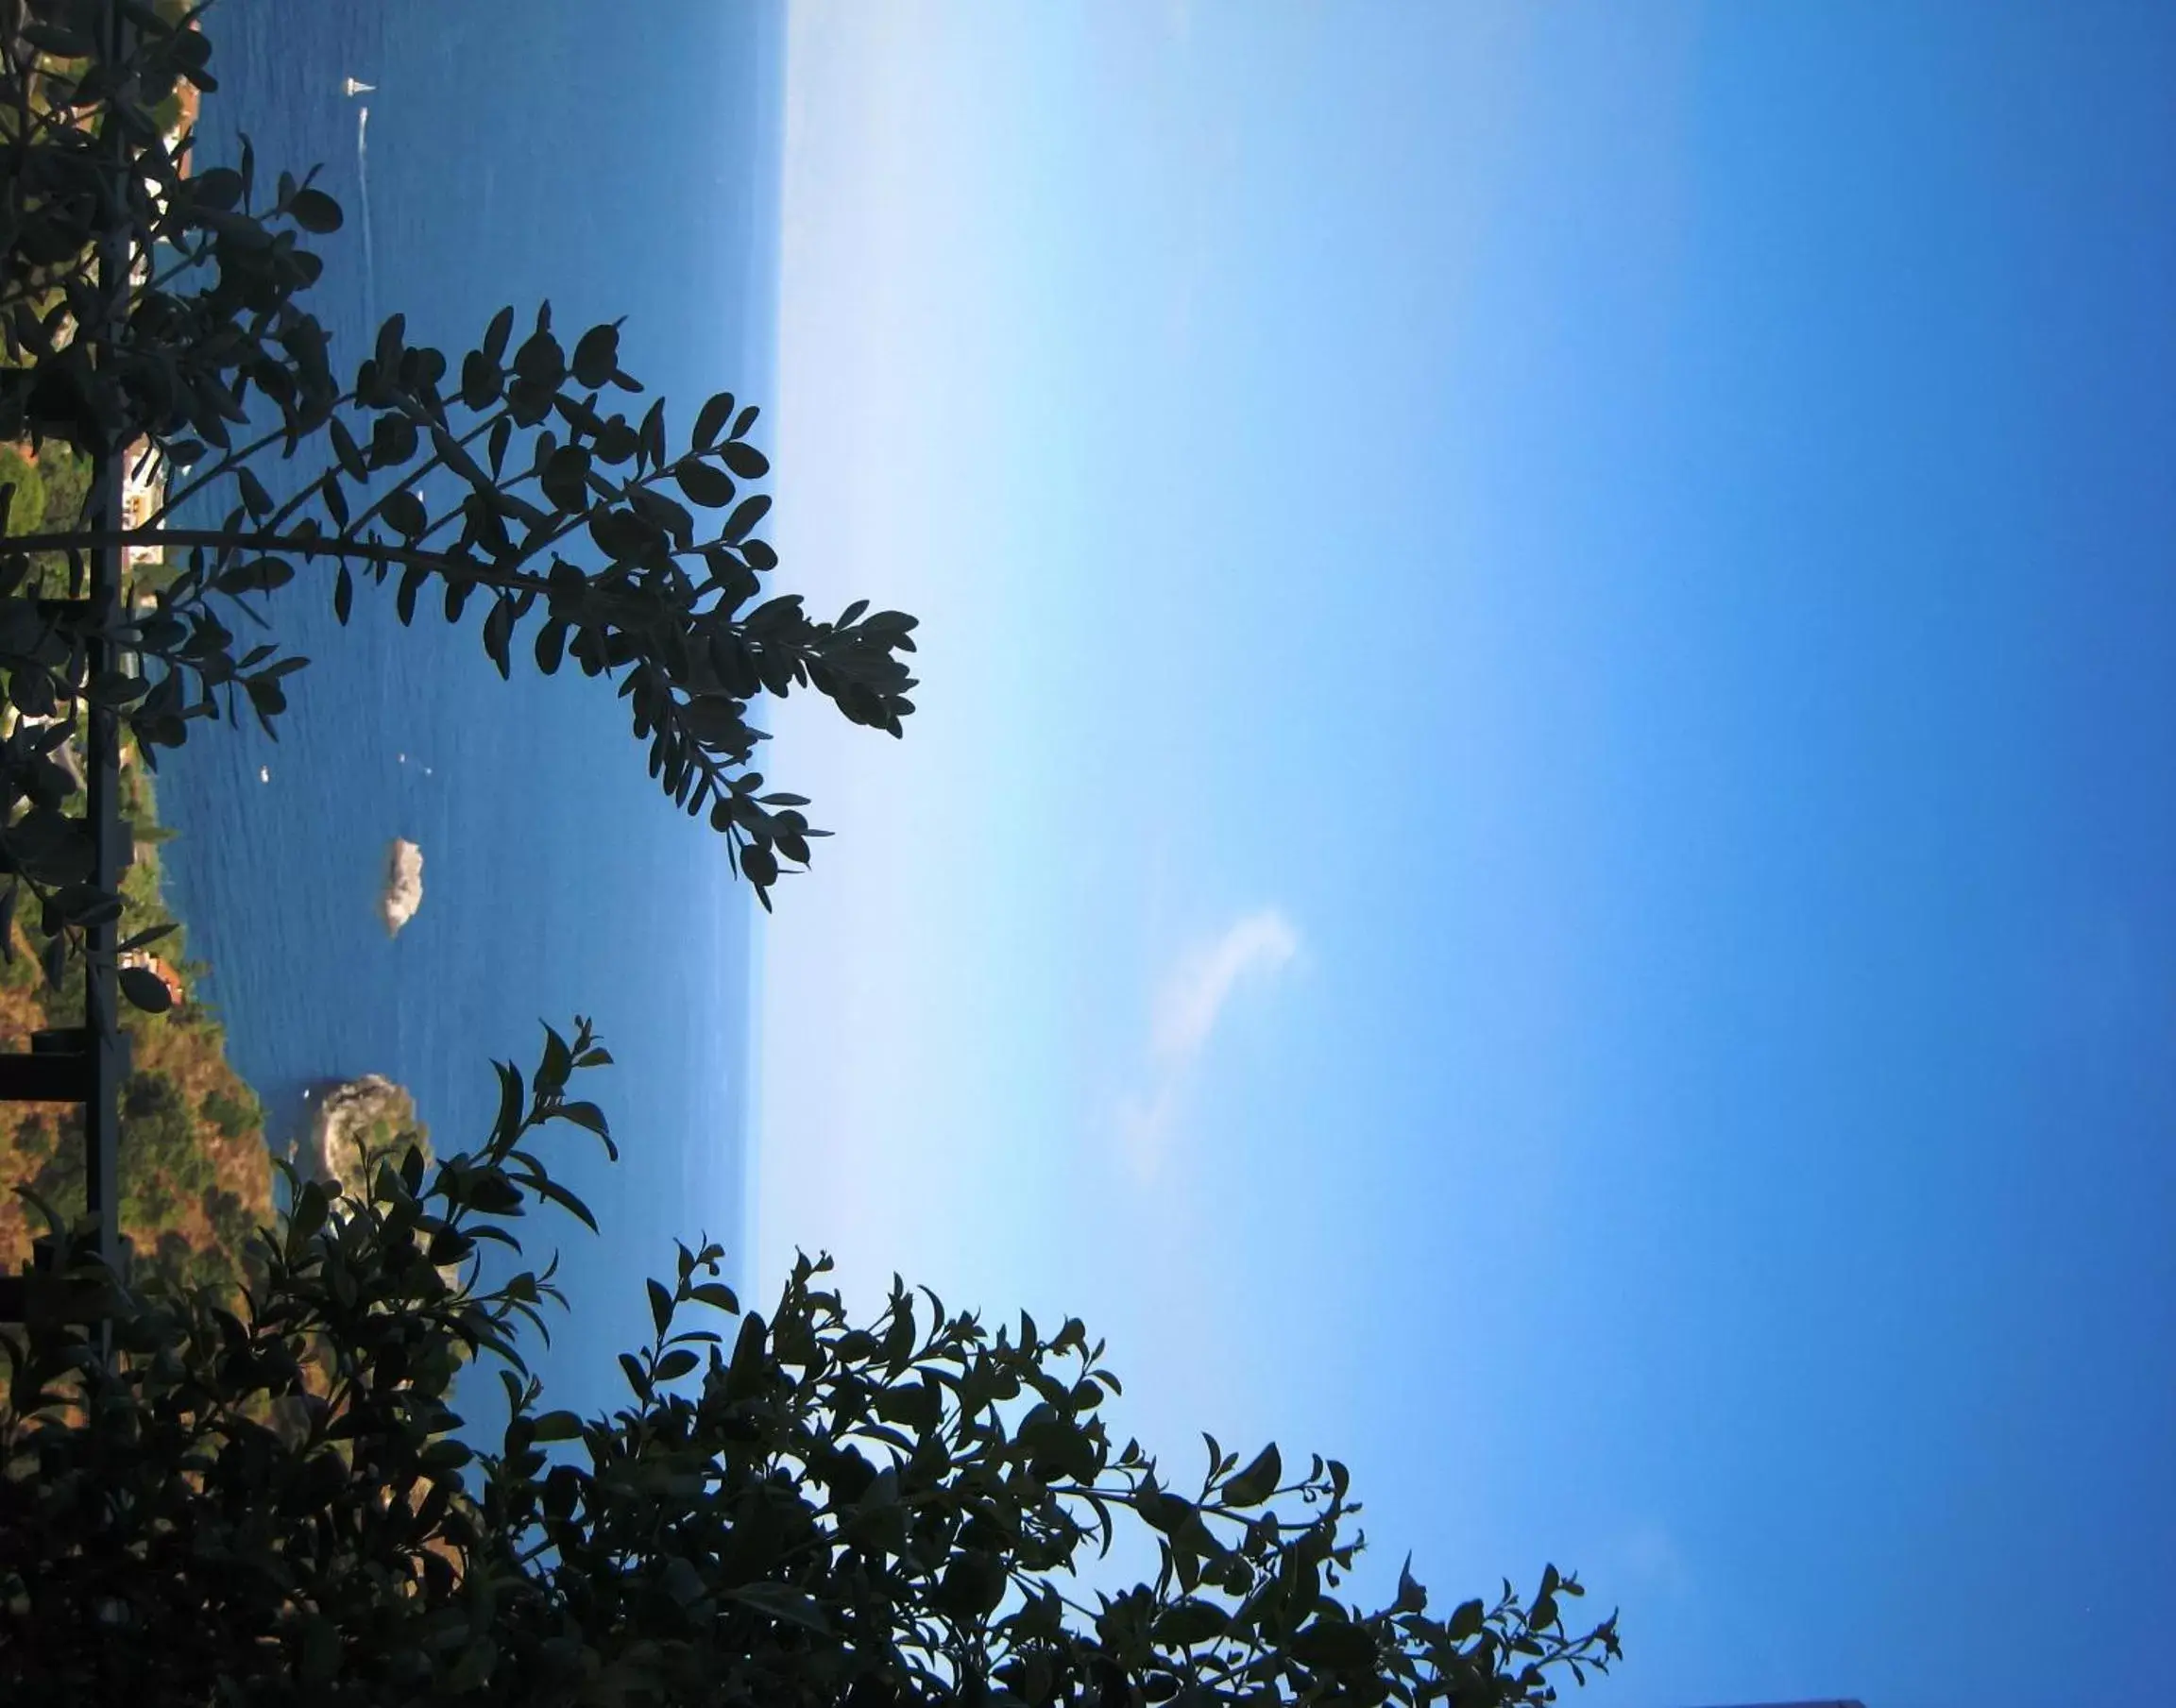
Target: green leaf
x,y
558,1426
342,595
682,1581
315,211
745,460
1058,1444
710,487
266,698
501,330
550,1188
116,689
1163,1512
617,441
557,1064
625,538
1258,1481
254,497
660,1305
711,420
392,340
675,1365
499,636
257,575
405,510
973,1584
596,354
346,451
760,865
540,360
586,1115
311,1206
1466,1621
565,478
1190,1621
58,40
746,516
783,1602
145,990
1336,1645
482,381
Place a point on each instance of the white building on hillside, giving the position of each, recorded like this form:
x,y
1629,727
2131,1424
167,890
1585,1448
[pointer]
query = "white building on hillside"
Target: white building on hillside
x,y
142,490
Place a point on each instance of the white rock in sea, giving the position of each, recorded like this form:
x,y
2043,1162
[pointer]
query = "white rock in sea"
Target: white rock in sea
x,y
403,885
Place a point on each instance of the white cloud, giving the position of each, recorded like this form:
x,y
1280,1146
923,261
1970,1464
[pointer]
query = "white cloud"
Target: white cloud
x,y
1188,1006
1145,1126
1195,991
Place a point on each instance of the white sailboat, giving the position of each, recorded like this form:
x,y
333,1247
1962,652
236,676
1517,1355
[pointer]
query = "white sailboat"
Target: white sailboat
x,y
355,86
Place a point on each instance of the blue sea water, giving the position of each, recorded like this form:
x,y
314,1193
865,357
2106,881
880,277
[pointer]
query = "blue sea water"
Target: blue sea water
x,y
619,161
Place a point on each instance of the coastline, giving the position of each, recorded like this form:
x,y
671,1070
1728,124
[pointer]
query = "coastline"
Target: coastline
x,y
280,878
196,1173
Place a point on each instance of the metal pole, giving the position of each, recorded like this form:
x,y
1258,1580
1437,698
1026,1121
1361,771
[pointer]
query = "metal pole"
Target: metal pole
x,y
102,756
87,1065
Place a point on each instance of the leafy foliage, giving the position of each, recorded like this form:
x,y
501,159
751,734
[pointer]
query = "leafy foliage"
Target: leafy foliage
x,y
152,317
26,488
193,1183
241,1507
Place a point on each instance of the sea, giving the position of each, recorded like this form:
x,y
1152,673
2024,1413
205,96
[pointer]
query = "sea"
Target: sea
x,y
619,161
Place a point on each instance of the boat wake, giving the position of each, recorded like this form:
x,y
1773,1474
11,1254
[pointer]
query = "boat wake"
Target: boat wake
x,y
363,194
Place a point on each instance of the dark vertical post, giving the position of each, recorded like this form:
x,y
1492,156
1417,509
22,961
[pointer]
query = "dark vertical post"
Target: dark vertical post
x,y
88,1066
102,745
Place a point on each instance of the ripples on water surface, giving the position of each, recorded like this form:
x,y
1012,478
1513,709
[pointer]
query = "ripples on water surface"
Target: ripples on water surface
x,y
558,879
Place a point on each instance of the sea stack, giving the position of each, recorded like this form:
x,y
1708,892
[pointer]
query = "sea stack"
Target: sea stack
x,y
365,1115
364,1119
403,885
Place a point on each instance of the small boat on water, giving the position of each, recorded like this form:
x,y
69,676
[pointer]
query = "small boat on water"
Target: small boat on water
x,y
355,86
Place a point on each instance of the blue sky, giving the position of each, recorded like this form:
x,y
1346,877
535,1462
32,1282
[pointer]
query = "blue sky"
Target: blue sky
x,y
1537,850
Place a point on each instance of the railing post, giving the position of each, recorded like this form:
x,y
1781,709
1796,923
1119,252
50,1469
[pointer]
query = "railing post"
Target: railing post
x,y
102,752
87,1065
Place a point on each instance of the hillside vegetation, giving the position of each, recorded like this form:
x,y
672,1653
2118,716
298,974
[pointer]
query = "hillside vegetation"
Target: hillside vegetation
x,y
196,1175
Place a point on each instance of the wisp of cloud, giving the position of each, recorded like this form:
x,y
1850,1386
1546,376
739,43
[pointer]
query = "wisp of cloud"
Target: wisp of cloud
x,y
1188,1006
